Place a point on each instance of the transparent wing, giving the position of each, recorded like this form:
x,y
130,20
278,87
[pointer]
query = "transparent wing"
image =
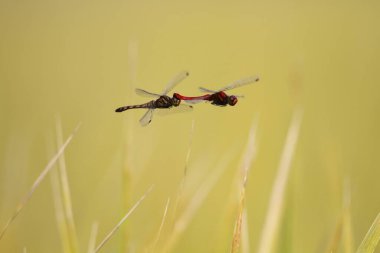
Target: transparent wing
x,y
207,90
241,82
175,81
145,93
147,117
178,109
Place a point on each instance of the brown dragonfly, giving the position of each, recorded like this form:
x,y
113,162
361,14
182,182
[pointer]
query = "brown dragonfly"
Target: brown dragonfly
x,y
163,101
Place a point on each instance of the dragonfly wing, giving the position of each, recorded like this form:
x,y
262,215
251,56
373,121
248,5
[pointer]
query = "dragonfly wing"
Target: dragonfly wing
x,y
178,109
206,90
145,93
175,81
147,117
241,82
184,108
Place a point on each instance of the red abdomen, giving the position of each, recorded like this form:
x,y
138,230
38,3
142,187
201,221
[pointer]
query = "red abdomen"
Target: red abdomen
x,y
204,97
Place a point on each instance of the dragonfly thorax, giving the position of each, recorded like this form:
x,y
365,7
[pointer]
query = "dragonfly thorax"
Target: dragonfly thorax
x,y
175,101
166,102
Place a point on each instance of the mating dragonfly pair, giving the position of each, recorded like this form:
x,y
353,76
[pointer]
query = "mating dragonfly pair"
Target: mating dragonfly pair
x,y
163,101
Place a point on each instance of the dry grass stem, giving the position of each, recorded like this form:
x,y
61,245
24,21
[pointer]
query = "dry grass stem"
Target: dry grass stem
x,y
195,203
238,224
93,234
114,230
275,209
371,239
189,148
161,225
37,182
336,238
66,196
245,248
59,211
347,233
343,228
183,181
250,154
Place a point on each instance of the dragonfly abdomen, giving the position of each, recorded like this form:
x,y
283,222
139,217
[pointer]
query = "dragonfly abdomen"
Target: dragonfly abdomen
x,y
149,105
206,97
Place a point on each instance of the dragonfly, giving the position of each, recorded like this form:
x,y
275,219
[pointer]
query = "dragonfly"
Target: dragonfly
x,y
162,101
219,97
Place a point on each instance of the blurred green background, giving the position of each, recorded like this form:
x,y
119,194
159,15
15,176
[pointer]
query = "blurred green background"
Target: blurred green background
x,y
82,59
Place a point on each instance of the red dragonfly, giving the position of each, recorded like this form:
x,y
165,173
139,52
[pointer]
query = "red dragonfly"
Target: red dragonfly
x,y
162,102
219,97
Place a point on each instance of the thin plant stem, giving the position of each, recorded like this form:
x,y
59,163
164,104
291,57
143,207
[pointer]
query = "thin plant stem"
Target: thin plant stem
x,y
37,182
275,209
116,228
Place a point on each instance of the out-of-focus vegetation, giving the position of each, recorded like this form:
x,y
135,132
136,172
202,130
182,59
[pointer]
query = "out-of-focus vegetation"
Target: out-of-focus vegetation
x,y
306,182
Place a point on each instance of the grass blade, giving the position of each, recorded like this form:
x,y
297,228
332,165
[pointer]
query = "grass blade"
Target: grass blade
x,y
238,224
245,248
162,225
249,156
37,182
372,237
114,230
343,228
59,211
92,241
183,181
347,233
333,245
276,203
189,148
66,196
194,204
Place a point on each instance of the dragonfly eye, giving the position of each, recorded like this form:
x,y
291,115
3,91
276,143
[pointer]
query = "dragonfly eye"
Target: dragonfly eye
x,y
232,100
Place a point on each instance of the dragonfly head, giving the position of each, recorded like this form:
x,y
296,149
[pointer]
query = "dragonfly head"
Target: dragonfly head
x,y
232,100
176,101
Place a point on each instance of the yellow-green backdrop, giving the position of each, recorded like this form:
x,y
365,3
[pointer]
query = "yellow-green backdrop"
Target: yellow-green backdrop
x,y
79,60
